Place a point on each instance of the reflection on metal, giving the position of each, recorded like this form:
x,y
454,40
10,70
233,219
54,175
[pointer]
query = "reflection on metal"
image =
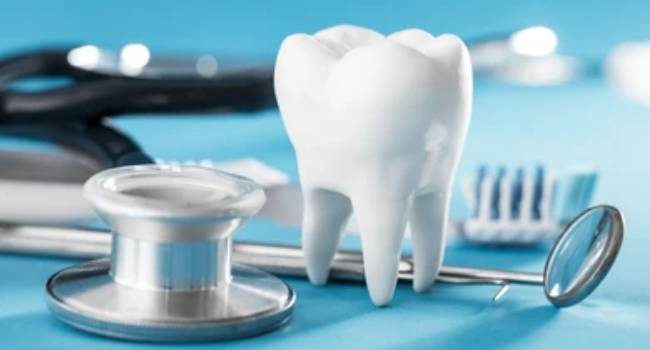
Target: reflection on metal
x,y
534,41
86,57
133,58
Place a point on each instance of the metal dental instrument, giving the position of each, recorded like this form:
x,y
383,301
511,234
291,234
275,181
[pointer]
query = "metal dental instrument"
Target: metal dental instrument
x,y
527,57
577,263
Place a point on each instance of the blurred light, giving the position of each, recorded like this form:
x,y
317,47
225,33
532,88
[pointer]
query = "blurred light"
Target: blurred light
x,y
207,66
628,72
534,41
86,57
133,58
541,71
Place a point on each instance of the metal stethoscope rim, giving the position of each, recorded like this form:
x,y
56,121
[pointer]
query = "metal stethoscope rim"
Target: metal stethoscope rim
x,y
170,277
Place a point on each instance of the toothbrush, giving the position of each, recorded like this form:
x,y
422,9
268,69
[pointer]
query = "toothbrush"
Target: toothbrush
x,y
522,207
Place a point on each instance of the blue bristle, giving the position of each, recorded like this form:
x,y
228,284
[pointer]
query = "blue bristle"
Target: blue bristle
x,y
540,174
496,193
517,189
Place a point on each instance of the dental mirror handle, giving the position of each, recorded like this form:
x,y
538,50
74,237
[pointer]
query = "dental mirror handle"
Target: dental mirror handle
x,y
278,259
348,266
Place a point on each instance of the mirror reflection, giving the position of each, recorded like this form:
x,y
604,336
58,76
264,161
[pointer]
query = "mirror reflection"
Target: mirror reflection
x,y
582,256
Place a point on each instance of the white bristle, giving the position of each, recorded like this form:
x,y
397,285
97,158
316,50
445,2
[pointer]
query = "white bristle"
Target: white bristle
x,y
526,205
505,198
485,200
546,203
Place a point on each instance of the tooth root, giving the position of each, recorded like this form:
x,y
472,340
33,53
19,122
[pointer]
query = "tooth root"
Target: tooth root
x,y
325,215
428,226
382,222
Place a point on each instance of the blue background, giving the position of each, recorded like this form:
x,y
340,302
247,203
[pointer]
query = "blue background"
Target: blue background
x,y
580,123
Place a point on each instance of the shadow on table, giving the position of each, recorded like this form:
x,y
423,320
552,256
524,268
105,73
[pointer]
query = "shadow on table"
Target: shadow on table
x,y
493,331
40,330
321,308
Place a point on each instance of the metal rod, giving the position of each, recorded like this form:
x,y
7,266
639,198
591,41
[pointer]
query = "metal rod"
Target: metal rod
x,y
278,259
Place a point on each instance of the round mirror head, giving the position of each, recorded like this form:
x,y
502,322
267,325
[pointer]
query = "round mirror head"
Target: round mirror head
x,y
583,255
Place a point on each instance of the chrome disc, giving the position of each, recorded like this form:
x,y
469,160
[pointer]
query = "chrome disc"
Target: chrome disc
x,y
86,297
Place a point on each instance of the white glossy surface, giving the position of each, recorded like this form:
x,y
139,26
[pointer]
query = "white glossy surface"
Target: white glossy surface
x,y
378,124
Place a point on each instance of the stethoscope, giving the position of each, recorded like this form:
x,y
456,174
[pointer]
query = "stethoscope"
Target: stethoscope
x,y
73,116
174,272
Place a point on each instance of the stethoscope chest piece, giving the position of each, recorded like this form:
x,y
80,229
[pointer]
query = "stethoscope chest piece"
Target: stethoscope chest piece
x,y
169,277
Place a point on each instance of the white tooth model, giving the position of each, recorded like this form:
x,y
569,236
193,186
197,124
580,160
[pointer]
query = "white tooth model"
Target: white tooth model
x,y
378,125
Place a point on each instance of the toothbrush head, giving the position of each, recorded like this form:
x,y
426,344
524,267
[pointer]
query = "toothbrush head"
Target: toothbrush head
x,y
523,207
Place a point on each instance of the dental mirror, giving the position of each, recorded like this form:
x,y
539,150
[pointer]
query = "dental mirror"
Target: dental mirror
x,y
583,255
579,260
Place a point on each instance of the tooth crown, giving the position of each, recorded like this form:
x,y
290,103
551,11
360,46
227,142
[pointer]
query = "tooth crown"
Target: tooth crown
x,y
376,122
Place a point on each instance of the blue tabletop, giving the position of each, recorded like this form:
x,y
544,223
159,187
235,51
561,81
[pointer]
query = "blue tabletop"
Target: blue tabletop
x,y
564,126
